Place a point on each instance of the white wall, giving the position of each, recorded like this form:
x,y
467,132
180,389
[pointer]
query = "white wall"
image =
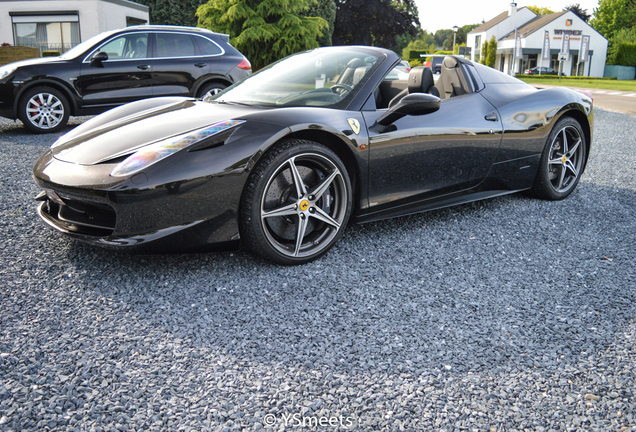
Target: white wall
x,y
95,16
598,43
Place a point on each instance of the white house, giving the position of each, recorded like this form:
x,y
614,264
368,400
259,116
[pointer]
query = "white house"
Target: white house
x,y
60,25
499,26
532,33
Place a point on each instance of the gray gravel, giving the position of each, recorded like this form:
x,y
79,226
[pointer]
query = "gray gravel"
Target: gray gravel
x,y
504,315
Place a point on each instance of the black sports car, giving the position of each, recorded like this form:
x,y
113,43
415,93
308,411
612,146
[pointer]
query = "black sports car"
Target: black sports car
x,y
285,159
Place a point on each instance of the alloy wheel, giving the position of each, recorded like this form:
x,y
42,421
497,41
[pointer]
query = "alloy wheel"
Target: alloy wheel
x,y
304,205
45,110
566,159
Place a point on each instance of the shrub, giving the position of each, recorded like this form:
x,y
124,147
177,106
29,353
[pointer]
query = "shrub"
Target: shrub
x,y
50,53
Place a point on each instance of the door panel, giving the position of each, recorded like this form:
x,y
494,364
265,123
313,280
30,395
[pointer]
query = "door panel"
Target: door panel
x,y
421,157
124,77
176,66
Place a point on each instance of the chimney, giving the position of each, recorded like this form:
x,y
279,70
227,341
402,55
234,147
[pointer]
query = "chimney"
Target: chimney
x,y
513,9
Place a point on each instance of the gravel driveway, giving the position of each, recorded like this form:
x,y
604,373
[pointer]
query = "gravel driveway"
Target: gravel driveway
x,y
508,314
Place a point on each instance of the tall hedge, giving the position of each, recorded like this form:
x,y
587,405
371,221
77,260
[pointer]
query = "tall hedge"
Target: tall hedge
x,y
492,52
624,54
622,48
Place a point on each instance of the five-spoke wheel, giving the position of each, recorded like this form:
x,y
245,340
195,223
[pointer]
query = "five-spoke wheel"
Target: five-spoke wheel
x,y
562,162
297,203
44,109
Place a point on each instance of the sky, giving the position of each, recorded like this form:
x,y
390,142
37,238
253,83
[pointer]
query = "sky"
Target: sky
x,y
444,14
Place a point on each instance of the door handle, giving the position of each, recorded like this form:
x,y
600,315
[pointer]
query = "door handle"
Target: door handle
x,y
143,67
200,65
491,117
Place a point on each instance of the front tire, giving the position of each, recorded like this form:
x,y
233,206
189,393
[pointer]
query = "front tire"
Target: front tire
x,y
44,110
296,204
562,162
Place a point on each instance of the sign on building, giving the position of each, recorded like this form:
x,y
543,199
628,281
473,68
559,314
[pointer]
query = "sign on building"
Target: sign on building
x,y
565,45
546,46
585,49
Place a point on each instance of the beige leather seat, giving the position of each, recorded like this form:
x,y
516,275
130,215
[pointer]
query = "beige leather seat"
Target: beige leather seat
x,y
451,81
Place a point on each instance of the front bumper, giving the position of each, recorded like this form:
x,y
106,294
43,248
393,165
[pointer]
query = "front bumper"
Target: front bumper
x,y
191,215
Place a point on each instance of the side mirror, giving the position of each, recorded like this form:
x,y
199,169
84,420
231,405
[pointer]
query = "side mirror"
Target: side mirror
x,y
412,104
98,58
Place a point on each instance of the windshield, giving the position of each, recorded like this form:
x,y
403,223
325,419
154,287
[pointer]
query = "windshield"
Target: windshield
x,y
328,77
84,46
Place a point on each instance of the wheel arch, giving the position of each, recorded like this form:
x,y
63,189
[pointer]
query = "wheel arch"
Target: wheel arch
x,y
343,151
577,114
212,79
46,83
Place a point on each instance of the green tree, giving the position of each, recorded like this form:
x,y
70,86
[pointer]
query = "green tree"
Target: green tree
x,y
374,22
540,10
442,35
173,12
484,53
579,11
325,9
492,52
422,43
614,15
263,30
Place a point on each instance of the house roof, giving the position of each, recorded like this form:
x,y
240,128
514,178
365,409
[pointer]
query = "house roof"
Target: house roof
x,y
535,24
489,24
493,22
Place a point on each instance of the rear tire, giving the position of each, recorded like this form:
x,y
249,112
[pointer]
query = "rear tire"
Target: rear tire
x,y
43,110
296,204
210,90
562,162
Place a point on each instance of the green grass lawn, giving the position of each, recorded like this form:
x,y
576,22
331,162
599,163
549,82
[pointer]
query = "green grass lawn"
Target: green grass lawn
x,y
629,85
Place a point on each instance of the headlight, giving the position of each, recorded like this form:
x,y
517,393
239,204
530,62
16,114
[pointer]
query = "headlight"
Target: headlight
x,y
6,71
153,153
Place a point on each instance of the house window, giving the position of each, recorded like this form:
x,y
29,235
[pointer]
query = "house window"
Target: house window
x,y
131,21
47,32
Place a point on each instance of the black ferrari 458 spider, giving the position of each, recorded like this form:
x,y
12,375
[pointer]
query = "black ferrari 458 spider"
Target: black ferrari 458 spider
x,y
286,158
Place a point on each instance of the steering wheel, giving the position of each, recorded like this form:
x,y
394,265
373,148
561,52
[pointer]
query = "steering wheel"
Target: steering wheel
x,y
346,88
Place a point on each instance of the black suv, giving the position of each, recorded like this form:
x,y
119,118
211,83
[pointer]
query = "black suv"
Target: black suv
x,y
117,67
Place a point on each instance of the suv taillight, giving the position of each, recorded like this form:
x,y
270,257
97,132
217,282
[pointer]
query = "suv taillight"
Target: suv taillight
x,y
245,65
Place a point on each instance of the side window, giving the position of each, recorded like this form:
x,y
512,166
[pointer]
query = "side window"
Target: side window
x,y
206,46
174,45
134,45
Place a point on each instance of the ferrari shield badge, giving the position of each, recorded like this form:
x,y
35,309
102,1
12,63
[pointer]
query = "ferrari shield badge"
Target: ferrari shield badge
x,y
355,125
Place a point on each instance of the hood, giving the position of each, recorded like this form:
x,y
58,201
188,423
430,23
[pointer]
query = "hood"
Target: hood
x,y
122,130
35,61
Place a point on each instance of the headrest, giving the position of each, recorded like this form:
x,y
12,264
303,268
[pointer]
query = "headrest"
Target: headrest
x,y
450,62
355,63
427,79
415,79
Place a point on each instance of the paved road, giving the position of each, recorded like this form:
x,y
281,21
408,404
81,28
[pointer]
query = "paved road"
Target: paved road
x,y
511,314
611,100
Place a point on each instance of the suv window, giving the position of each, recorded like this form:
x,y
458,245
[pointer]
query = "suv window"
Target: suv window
x,y
206,46
174,45
134,45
